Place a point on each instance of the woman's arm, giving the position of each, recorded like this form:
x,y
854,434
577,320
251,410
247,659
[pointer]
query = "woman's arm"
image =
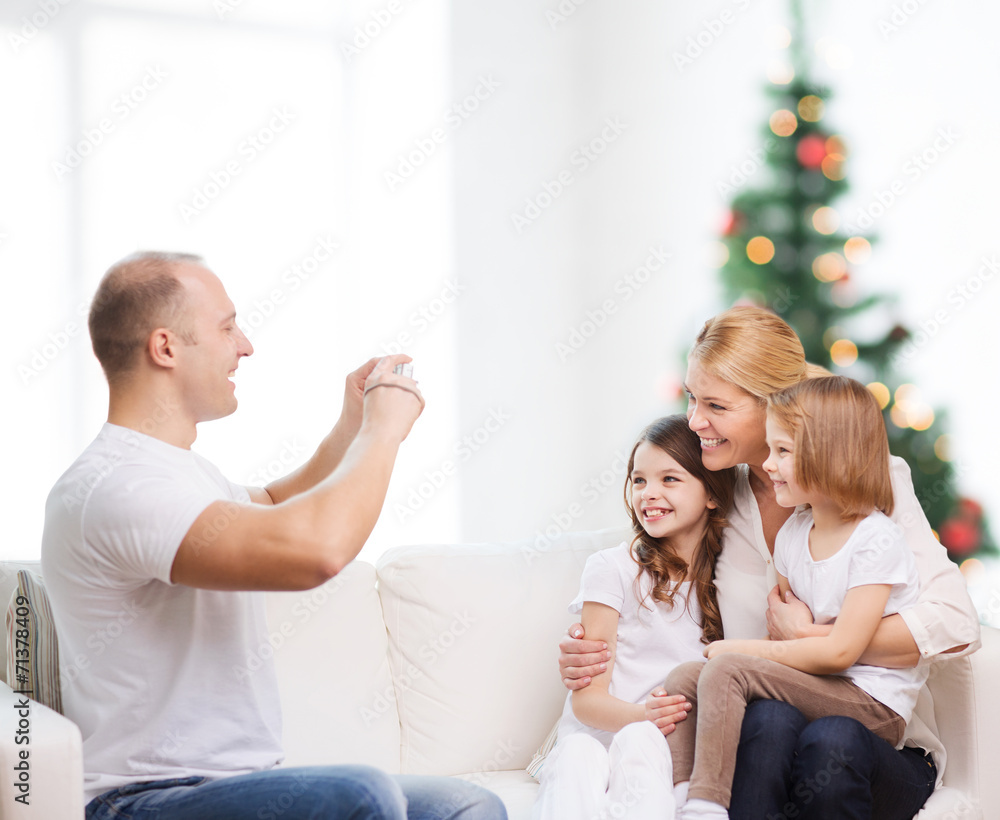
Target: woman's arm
x,y
944,620
580,659
852,632
594,705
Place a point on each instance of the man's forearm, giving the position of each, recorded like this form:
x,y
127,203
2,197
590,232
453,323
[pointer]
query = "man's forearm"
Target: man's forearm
x,y
321,464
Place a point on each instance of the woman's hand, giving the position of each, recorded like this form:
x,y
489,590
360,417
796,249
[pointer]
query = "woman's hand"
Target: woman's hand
x,y
788,619
580,659
665,710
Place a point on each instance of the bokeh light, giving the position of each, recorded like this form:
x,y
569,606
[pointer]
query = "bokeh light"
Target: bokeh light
x,y
831,334
826,220
973,569
844,293
942,447
780,72
881,394
844,352
920,417
857,250
811,108
781,37
718,254
783,123
829,267
760,250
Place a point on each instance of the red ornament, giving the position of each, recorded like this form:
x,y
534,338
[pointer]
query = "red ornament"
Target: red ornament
x,y
969,509
811,151
960,537
733,223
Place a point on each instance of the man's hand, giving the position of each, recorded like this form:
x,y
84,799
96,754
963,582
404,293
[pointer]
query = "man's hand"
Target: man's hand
x,y
789,619
579,659
354,393
665,710
391,402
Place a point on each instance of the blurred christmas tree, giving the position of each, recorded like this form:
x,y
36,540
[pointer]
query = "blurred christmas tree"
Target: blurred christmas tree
x,y
790,250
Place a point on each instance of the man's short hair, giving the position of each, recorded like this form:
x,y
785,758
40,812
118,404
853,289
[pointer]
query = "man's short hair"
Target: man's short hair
x,y
137,295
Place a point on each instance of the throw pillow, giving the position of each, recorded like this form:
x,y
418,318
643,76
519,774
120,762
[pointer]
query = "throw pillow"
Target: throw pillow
x,y
535,766
32,650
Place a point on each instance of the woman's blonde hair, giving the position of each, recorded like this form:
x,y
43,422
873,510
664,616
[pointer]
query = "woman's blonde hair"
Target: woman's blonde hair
x,y
839,444
753,349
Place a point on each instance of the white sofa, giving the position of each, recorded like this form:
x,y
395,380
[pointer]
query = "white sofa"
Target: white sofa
x,y
443,661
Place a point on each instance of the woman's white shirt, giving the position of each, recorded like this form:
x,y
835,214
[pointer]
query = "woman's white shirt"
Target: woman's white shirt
x,y
943,618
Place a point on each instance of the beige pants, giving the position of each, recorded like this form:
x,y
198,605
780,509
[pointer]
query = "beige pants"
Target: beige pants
x,y
719,692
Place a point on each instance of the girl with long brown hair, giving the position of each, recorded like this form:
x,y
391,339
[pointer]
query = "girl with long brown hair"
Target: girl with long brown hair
x,y
653,600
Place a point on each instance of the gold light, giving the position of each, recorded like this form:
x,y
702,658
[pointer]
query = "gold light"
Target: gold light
x,y
783,123
920,417
844,352
857,250
881,394
829,267
811,108
826,220
907,394
973,569
898,417
760,250
942,447
833,167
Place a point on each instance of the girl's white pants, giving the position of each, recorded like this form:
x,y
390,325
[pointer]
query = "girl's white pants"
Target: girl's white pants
x,y
633,778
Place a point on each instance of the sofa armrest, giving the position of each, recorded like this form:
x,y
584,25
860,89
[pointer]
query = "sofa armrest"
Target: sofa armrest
x,y
53,768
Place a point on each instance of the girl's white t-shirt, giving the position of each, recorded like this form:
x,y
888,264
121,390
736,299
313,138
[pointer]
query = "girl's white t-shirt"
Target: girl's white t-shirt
x,y
652,638
875,553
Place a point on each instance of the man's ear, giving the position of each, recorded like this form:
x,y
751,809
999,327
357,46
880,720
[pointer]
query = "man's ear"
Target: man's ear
x,y
162,348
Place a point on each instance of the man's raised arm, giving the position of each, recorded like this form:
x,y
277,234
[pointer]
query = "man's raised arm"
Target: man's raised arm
x,y
301,542
332,449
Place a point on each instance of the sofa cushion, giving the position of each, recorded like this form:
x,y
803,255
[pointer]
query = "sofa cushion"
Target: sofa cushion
x,y
337,699
473,631
32,647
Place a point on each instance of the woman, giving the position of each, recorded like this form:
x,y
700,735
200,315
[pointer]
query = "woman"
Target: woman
x,y
832,767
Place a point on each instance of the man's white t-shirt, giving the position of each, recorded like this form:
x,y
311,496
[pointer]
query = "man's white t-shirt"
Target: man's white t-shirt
x,y
652,638
875,553
156,675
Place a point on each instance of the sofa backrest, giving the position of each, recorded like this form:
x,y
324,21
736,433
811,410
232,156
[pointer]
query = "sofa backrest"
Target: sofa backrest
x,y
337,695
472,632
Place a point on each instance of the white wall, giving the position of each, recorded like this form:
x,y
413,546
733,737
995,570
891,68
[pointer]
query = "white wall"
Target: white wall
x,y
688,127
545,88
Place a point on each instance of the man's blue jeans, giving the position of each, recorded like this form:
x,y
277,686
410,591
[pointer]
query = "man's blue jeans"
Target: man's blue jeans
x,y
830,769
307,793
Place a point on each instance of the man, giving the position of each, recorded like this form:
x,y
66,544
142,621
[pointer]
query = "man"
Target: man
x,y
143,532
